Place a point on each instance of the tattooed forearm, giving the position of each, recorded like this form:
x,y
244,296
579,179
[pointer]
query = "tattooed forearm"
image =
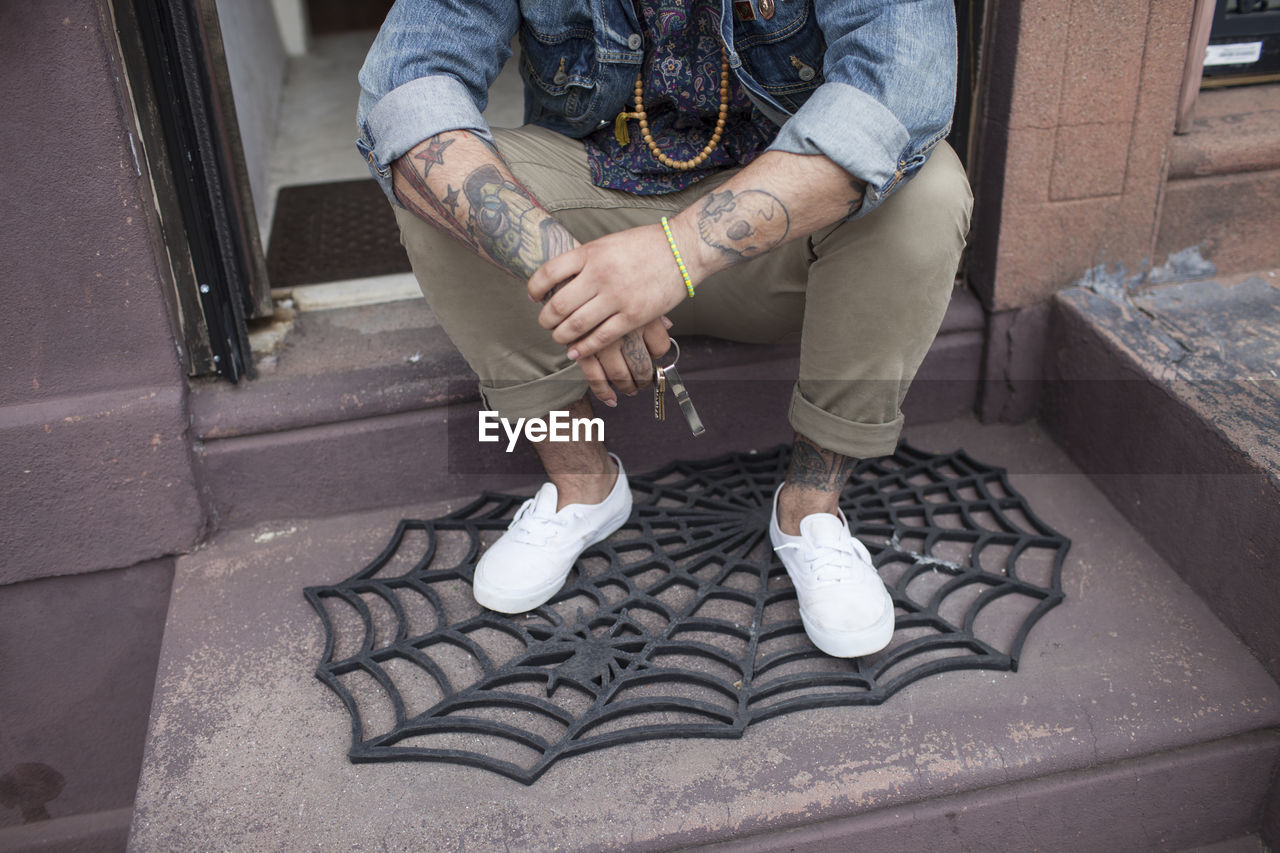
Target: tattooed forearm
x,y
816,468
506,221
556,239
451,201
455,182
433,153
420,200
855,202
743,224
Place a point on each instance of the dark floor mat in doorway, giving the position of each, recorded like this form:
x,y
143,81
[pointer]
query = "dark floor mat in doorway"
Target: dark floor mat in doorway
x,y
331,232
681,624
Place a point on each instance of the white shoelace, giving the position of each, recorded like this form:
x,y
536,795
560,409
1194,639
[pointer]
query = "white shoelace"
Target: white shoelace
x,y
534,529
827,562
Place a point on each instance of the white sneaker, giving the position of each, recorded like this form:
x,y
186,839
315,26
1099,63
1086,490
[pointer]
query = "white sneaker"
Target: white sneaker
x,y
844,606
530,562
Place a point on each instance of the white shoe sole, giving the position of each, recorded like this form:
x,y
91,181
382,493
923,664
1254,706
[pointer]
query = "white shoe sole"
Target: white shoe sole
x,y
852,644
510,602
503,601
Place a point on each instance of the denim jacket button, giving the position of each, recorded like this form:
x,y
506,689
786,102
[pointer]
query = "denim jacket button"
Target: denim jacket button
x,y
560,79
807,73
634,41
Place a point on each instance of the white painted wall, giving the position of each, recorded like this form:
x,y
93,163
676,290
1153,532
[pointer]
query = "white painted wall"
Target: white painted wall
x,y
291,16
256,62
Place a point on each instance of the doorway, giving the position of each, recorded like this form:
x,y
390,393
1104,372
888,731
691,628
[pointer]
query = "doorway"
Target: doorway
x,y
311,227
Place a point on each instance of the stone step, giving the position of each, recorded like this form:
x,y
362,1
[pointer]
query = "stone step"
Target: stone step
x,y
371,406
1169,397
1223,193
88,832
1135,721
1244,844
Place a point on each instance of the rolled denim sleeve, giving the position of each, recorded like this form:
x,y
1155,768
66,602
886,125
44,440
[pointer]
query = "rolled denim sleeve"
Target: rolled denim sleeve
x,y
429,71
888,92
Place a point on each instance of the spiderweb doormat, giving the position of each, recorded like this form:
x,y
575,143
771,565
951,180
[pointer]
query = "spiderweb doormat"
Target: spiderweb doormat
x,y
683,623
332,232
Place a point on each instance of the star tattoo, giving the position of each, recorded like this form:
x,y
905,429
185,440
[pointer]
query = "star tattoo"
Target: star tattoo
x,y
451,199
433,153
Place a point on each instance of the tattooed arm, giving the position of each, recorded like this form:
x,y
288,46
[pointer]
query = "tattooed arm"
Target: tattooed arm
x,y
459,183
620,282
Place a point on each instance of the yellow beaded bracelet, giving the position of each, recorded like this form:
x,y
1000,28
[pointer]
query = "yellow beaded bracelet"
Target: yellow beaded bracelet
x,y
671,241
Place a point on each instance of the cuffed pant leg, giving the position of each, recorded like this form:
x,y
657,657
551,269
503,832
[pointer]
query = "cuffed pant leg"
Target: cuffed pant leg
x,y
488,316
877,292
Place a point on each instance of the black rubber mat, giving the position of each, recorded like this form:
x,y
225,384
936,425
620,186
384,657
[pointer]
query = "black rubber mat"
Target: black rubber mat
x,y
331,232
683,623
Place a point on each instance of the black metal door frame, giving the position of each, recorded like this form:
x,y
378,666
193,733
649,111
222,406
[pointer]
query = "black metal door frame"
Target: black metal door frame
x,y
190,137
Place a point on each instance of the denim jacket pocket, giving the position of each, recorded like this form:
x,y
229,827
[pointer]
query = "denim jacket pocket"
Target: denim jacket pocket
x,y
783,54
560,73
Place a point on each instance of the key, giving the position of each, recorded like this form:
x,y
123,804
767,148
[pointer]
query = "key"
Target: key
x,y
671,377
660,394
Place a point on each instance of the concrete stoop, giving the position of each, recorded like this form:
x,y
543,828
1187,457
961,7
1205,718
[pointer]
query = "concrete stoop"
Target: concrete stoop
x,y
1244,844
88,832
1136,721
1169,397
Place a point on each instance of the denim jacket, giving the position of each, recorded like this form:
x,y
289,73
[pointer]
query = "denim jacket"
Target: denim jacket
x,y
868,83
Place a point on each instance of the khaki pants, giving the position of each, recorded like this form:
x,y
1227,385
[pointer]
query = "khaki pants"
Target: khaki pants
x,y
864,298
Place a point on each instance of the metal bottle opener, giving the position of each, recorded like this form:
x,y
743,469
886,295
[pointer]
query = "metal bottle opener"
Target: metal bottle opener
x,y
667,375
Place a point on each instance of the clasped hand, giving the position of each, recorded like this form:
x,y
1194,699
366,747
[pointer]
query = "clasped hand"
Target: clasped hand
x,y
607,301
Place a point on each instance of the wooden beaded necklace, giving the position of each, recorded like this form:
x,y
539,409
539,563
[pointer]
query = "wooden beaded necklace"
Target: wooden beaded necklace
x,y
620,124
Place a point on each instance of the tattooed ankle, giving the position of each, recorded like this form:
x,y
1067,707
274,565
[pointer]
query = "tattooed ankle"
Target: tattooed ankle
x,y
813,467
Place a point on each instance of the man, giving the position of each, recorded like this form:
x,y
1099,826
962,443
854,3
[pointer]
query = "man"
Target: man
x,y
782,160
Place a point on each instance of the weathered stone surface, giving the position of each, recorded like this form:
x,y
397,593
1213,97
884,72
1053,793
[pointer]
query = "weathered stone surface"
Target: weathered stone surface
x,y
95,481
1251,843
947,383
1012,370
1232,218
1131,688
79,666
1073,157
1026,175
1169,399
95,468
1101,79
84,311
92,832
1234,130
1089,161
1045,814
1037,36
337,365
1271,817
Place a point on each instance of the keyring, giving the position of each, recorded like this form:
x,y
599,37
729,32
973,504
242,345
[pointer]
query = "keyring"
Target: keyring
x,y
675,346
668,376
